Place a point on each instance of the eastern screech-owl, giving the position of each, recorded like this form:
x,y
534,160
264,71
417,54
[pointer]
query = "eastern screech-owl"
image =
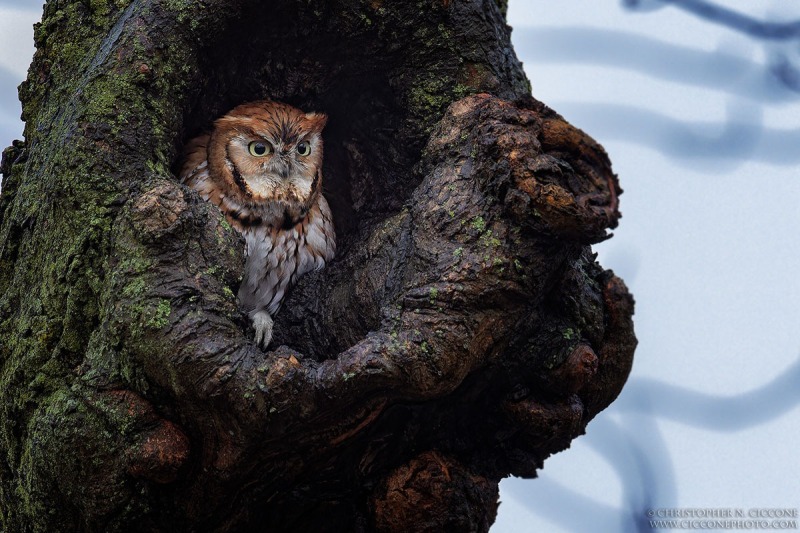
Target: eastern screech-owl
x,y
262,166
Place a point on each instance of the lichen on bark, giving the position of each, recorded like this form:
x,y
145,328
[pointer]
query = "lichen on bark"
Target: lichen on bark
x,y
464,332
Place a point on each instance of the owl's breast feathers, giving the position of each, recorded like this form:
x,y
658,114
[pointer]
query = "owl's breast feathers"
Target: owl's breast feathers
x,y
276,257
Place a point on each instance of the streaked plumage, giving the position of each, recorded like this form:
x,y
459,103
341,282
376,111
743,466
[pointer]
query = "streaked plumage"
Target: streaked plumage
x,y
262,166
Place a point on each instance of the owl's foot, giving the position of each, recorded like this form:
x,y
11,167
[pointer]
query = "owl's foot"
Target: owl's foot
x,y
262,323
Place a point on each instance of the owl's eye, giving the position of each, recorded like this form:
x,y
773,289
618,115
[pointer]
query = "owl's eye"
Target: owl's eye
x,y
304,148
259,149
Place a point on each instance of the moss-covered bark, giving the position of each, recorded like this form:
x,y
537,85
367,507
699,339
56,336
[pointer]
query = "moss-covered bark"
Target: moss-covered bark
x,y
463,334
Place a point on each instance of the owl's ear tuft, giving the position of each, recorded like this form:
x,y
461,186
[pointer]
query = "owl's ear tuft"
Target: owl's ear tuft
x,y
317,121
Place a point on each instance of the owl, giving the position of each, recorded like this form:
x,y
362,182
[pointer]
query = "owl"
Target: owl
x,y
262,166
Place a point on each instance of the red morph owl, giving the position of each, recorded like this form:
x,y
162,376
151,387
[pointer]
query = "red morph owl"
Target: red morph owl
x,y
262,166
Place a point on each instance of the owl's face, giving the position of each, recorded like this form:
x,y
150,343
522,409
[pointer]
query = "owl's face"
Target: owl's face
x,y
270,154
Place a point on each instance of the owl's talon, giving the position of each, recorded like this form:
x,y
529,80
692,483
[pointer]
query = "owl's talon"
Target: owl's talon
x,y
262,323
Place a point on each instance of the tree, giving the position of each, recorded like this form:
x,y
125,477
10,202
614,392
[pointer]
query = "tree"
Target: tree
x,y
463,334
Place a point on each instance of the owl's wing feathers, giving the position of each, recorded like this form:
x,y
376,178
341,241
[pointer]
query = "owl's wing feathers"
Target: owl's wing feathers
x,y
273,291
305,261
320,235
259,245
195,160
195,171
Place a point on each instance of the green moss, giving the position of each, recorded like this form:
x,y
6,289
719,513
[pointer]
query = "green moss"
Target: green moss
x,y
100,9
76,435
479,223
427,98
112,102
488,239
461,91
136,262
444,31
185,10
160,315
433,293
431,93
135,288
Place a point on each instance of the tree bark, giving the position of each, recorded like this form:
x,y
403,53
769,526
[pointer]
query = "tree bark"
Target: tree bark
x,y
464,332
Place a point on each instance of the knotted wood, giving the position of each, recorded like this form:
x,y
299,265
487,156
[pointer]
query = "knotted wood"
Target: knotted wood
x,y
464,332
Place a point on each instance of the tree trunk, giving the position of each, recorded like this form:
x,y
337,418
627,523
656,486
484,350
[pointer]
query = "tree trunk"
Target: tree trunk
x,y
463,333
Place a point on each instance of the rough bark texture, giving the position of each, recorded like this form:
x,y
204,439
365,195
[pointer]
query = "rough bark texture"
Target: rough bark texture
x,y
464,332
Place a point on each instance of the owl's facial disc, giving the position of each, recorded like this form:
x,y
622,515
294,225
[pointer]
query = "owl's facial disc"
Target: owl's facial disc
x,y
271,170
269,155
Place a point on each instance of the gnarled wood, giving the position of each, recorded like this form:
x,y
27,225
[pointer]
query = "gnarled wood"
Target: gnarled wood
x,y
464,332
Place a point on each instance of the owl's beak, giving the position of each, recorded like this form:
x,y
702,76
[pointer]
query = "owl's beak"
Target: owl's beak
x,y
284,171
